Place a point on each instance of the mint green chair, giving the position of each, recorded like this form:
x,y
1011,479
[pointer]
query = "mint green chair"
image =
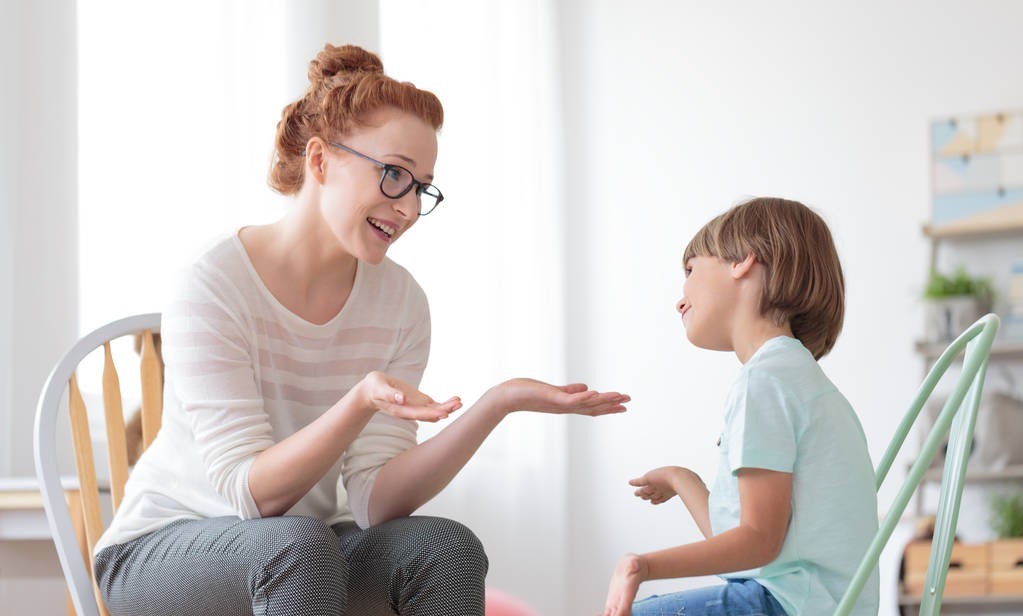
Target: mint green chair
x,y
957,419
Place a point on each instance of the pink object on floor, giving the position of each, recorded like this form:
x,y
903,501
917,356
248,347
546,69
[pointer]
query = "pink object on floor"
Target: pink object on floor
x,y
500,603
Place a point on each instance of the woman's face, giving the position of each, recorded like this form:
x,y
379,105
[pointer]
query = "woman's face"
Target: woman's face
x,y
365,221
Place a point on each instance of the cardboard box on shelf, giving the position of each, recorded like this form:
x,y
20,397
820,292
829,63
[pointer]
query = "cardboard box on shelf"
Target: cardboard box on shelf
x,y
967,571
1005,569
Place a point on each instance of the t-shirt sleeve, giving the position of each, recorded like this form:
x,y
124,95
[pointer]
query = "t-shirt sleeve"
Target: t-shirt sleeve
x,y
384,437
763,431
209,364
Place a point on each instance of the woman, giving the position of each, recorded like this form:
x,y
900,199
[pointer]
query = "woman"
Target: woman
x,y
287,467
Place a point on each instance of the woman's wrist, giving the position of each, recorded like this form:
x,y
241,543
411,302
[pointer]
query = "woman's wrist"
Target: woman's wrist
x,y
495,402
361,397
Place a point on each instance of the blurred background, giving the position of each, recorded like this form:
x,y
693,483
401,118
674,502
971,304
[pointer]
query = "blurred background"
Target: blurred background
x,y
584,143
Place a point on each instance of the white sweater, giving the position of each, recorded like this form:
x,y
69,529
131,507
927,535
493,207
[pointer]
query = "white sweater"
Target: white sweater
x,y
244,372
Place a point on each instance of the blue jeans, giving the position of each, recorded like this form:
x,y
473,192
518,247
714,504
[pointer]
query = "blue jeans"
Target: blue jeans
x,y
737,597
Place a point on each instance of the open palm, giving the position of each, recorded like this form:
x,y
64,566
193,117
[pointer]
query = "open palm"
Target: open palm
x,y
523,394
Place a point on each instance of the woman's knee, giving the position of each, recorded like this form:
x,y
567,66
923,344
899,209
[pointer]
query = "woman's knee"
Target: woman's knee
x,y
303,547
450,542
302,537
302,558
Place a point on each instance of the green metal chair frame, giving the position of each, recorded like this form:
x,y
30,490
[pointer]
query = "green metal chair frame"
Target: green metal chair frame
x,y
957,419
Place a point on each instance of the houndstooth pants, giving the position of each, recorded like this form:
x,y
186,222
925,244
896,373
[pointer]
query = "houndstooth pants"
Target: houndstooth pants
x,y
422,566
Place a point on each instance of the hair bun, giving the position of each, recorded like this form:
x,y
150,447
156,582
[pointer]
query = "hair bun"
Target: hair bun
x,y
332,61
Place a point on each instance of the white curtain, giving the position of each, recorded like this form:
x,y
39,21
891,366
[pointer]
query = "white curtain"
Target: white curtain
x,y
178,108
37,211
490,261
178,105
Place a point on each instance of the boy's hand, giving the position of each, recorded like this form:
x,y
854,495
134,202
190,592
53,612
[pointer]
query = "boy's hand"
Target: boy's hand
x,y
662,484
532,395
391,395
629,573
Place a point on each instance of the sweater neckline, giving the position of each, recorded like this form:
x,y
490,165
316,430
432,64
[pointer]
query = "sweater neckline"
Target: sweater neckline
x,y
284,310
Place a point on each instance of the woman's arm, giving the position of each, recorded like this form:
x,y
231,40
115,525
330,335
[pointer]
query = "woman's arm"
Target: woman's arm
x,y
415,476
765,498
283,473
662,484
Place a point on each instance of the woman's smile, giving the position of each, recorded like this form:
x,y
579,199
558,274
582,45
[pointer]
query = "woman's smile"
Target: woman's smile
x,y
385,230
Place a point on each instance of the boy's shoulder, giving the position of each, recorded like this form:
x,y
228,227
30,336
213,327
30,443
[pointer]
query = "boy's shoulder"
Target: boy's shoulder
x,y
784,364
782,358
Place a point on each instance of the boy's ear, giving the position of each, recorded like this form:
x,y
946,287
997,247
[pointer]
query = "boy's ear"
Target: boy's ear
x,y
744,267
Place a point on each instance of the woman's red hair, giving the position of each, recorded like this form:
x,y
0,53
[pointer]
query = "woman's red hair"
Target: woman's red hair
x,y
346,84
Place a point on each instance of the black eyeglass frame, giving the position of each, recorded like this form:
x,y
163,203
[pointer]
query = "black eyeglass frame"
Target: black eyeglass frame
x,y
421,187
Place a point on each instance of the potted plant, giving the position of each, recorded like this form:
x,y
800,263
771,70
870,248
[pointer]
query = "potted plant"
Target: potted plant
x,y
954,302
1005,572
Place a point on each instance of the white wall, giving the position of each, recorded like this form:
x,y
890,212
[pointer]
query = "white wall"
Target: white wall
x,y
676,110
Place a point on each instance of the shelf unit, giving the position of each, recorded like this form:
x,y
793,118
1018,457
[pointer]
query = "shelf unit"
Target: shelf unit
x,y
976,476
1002,350
968,605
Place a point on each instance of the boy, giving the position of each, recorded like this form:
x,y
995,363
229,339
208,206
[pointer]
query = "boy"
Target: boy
x,y
793,507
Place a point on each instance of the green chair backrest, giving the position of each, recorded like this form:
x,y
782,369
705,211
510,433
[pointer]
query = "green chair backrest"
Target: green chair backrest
x,y
957,419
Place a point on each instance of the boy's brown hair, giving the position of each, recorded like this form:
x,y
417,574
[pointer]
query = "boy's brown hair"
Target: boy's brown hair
x,y
803,281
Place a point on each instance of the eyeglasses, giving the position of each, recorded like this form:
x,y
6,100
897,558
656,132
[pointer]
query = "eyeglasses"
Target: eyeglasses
x,y
396,181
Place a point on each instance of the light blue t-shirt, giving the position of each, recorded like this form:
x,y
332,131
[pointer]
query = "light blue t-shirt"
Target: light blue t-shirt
x,y
784,414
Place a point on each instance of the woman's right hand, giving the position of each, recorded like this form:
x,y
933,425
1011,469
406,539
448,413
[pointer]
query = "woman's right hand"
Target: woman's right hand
x,y
382,392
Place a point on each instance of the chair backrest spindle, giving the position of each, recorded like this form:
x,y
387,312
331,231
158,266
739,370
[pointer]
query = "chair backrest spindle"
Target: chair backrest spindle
x,y
117,446
86,467
151,369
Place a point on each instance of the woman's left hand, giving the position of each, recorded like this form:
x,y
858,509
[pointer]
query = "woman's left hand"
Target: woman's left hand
x,y
531,395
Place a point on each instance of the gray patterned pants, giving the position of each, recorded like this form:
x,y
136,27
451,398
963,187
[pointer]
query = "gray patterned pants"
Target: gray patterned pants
x,y
421,566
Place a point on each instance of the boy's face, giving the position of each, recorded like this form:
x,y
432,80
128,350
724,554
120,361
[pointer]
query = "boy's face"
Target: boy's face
x,y
709,297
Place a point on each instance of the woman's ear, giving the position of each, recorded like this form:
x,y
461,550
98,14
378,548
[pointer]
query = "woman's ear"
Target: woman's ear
x,y
316,160
744,267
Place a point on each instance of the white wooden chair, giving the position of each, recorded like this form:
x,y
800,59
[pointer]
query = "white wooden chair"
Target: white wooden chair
x,y
74,549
